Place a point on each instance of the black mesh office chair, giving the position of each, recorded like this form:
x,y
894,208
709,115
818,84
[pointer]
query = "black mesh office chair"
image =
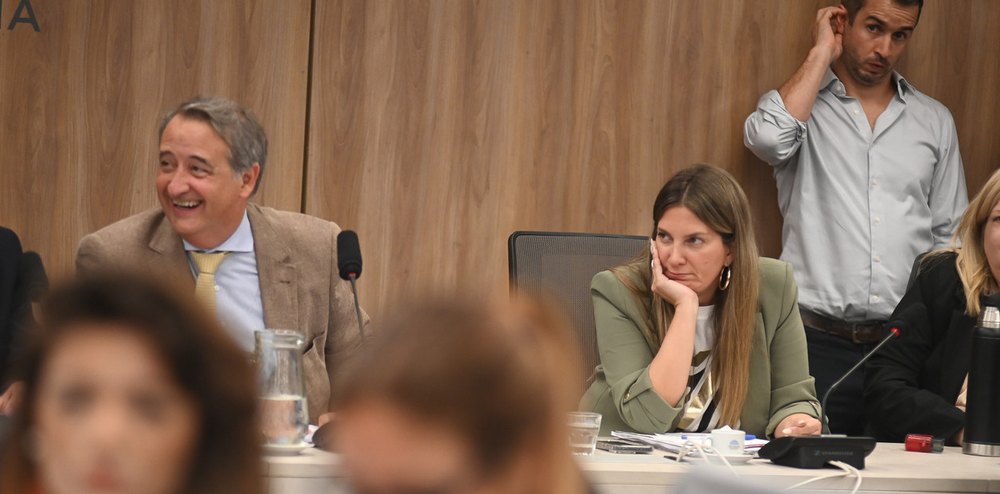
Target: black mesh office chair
x,y
562,265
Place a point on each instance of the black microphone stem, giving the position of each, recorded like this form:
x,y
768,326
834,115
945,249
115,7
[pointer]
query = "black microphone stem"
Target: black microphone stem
x,y
892,334
357,307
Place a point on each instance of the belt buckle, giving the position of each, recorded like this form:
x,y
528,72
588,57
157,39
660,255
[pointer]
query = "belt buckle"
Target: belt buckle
x,y
854,333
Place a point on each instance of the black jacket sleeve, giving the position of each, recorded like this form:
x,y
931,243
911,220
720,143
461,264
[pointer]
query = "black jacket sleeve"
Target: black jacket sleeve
x,y
15,307
912,383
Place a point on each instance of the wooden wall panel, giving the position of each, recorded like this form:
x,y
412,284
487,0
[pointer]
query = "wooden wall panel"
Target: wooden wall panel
x,y
443,126
80,103
439,127
954,57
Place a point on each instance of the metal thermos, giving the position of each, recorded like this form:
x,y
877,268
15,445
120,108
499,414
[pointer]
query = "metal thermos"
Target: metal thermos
x,y
982,413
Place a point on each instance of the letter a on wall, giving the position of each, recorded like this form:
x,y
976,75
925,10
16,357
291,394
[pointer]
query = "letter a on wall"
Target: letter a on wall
x,y
23,15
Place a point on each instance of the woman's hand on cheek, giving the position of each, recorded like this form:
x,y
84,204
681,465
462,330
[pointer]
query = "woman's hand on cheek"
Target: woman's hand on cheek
x,y
673,292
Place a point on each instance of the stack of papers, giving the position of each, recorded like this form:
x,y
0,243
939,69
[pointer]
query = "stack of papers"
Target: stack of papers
x,y
674,441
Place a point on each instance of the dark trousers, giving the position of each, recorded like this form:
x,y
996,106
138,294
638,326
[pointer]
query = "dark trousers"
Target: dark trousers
x,y
829,358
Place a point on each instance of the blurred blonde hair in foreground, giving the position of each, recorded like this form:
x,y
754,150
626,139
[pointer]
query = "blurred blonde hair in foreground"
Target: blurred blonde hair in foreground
x,y
485,387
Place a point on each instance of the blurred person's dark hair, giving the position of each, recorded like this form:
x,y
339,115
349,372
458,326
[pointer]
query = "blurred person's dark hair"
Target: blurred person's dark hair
x,y
500,375
198,354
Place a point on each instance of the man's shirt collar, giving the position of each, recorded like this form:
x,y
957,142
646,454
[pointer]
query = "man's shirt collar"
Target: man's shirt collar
x,y
832,82
240,241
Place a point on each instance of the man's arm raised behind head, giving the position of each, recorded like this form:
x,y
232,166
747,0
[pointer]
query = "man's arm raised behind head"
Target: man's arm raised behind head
x,y
776,128
799,92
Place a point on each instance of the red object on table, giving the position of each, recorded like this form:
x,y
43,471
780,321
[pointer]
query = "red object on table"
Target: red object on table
x,y
924,443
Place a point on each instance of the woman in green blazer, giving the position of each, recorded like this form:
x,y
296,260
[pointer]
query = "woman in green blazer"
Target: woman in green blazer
x,y
700,332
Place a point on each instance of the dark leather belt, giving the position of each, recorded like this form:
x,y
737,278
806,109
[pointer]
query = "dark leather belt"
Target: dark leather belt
x,y
858,332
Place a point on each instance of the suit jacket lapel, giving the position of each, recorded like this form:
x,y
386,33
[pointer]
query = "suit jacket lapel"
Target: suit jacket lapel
x,y
276,273
169,252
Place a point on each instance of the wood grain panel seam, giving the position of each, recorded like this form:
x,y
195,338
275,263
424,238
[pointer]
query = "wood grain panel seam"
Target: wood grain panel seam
x,y
309,89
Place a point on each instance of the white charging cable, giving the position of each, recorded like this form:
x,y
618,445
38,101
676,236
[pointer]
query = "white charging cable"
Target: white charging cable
x,y
690,446
848,471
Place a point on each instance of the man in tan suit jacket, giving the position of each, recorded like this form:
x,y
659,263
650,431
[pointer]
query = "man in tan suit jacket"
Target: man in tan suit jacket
x,y
212,152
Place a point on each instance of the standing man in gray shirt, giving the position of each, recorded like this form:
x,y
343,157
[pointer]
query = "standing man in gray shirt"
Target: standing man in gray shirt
x,y
869,176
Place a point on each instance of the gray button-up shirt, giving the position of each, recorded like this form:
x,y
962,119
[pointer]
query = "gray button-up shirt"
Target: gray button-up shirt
x,y
860,204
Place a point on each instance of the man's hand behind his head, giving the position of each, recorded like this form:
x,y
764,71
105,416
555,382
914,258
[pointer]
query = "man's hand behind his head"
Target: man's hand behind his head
x,y
828,31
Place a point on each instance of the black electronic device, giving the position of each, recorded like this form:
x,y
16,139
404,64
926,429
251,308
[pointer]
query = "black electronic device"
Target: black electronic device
x,y
815,451
619,446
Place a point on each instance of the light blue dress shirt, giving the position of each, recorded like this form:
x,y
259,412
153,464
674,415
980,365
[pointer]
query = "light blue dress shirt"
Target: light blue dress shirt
x,y
238,301
860,204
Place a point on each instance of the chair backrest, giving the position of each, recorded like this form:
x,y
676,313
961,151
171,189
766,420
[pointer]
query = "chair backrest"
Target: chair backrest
x,y
562,265
915,269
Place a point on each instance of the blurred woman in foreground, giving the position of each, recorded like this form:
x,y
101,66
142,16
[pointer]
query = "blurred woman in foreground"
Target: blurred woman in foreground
x,y
131,388
917,383
699,332
460,397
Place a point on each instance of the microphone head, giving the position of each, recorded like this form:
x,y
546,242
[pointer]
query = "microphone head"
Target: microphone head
x,y
900,323
348,255
31,276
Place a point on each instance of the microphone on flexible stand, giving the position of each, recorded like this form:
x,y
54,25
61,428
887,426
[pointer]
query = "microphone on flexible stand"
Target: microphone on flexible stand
x,y
349,264
815,451
893,333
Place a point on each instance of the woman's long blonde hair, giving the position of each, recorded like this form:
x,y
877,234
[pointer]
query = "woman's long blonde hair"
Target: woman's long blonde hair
x,y
716,198
973,268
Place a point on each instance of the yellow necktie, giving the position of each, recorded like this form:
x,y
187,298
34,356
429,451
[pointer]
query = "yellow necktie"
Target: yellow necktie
x,y
208,263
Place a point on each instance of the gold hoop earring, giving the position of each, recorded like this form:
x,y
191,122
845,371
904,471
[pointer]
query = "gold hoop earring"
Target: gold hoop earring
x,y
725,276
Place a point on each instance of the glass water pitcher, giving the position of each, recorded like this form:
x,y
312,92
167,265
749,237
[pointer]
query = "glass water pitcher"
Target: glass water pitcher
x,y
284,413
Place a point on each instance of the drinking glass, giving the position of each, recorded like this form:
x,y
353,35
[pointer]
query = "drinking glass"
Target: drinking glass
x,y
583,429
